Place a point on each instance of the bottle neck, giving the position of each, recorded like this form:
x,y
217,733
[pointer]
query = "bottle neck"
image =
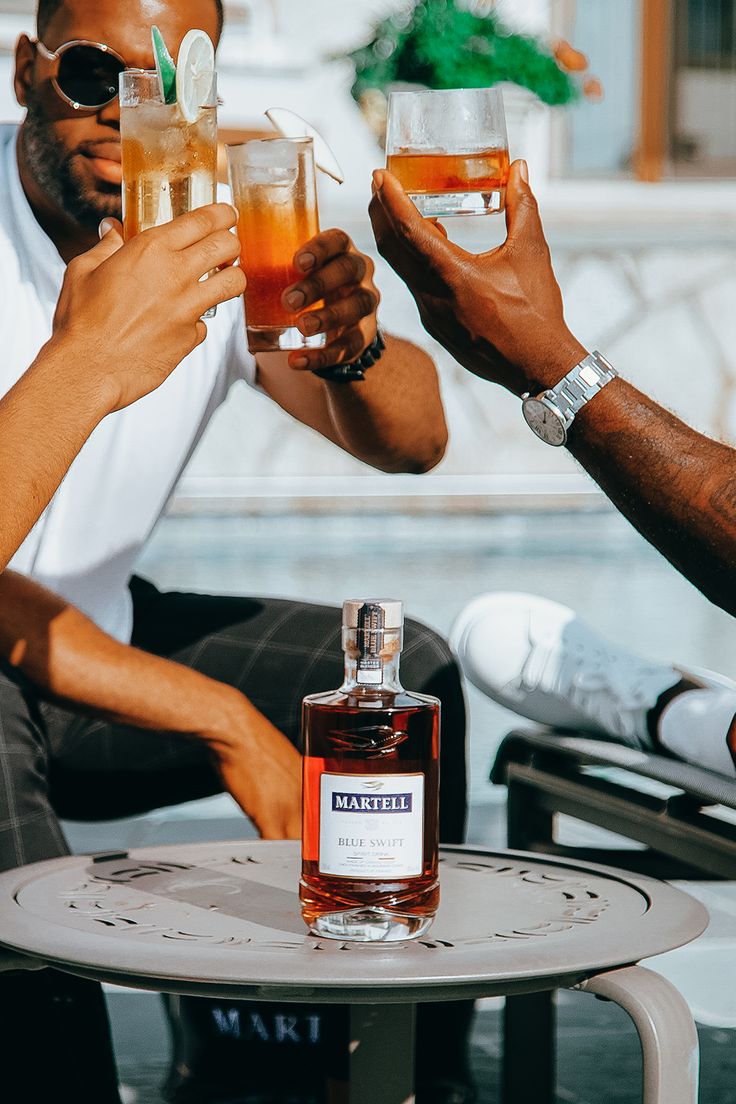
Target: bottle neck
x,y
377,673
372,659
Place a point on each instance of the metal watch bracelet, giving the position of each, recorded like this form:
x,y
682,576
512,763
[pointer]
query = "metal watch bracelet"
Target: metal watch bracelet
x,y
551,413
581,383
356,369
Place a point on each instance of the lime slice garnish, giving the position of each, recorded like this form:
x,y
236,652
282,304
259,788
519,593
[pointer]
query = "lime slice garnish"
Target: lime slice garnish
x,y
165,67
195,73
291,125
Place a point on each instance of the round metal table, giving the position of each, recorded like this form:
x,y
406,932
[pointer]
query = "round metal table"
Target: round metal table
x,y
222,919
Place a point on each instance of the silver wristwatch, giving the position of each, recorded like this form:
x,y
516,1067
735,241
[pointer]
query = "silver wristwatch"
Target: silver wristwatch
x,y
551,413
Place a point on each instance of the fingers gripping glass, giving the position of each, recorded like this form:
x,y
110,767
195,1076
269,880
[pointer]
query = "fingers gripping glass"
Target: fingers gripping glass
x,y
86,74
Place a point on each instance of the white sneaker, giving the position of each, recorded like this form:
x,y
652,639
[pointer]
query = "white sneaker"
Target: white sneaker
x,y
537,658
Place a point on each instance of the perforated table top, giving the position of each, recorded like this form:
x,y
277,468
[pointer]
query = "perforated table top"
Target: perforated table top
x,y
223,918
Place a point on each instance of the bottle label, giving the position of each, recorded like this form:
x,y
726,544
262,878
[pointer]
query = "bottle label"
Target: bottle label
x,y
371,826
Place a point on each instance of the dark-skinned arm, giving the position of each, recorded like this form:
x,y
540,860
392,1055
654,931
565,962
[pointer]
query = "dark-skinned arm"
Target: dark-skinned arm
x,y
501,315
392,420
676,486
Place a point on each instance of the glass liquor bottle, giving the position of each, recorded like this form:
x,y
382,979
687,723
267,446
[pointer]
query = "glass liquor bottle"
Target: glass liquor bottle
x,y
371,791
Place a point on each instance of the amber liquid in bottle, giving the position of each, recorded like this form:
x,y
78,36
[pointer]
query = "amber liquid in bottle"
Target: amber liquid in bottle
x,y
371,792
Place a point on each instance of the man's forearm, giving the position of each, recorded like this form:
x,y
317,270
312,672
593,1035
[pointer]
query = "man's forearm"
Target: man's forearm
x,y
676,486
70,660
44,421
394,419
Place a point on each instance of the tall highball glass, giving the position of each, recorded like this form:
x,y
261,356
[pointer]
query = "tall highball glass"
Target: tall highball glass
x,y
275,192
169,164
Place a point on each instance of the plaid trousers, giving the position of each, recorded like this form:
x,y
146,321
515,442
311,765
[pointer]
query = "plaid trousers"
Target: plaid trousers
x,y
55,763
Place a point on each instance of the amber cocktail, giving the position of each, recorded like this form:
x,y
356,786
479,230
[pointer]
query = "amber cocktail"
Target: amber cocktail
x,y
275,192
169,165
449,150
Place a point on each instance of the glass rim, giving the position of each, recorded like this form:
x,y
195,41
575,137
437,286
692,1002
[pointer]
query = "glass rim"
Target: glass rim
x,y
494,88
138,74
271,138
150,76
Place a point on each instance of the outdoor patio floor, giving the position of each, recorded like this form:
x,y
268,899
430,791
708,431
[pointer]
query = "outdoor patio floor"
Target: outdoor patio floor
x,y
593,561
598,1059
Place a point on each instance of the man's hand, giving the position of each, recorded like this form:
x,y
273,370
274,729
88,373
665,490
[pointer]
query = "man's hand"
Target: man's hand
x,y
338,282
500,314
262,771
131,312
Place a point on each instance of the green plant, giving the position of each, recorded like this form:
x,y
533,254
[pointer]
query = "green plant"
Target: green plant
x,y
439,44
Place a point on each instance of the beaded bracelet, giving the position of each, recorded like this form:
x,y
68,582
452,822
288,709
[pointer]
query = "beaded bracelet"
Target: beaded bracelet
x,y
351,373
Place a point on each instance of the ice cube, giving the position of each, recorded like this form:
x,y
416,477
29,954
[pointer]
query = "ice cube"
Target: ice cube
x,y
275,161
277,153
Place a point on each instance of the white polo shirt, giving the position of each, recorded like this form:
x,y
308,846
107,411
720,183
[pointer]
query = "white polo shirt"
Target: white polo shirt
x,y
85,544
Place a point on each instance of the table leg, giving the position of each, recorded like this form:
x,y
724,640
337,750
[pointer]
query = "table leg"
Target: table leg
x,y
665,1025
529,1029
382,1053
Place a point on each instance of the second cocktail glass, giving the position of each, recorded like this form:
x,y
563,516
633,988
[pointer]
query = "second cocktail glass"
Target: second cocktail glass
x,y
275,192
449,150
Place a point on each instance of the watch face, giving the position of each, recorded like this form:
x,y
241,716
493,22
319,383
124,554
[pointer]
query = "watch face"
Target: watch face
x,y
545,422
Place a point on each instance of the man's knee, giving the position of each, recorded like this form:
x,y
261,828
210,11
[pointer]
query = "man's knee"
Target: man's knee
x,y
28,828
21,727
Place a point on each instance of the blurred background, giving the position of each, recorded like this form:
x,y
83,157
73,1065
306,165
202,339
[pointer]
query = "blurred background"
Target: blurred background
x,y
626,112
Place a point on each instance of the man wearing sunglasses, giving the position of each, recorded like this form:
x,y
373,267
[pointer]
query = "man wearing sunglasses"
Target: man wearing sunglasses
x,y
138,730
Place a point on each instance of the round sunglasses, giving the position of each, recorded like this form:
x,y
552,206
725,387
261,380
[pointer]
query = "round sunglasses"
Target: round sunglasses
x,y
86,74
